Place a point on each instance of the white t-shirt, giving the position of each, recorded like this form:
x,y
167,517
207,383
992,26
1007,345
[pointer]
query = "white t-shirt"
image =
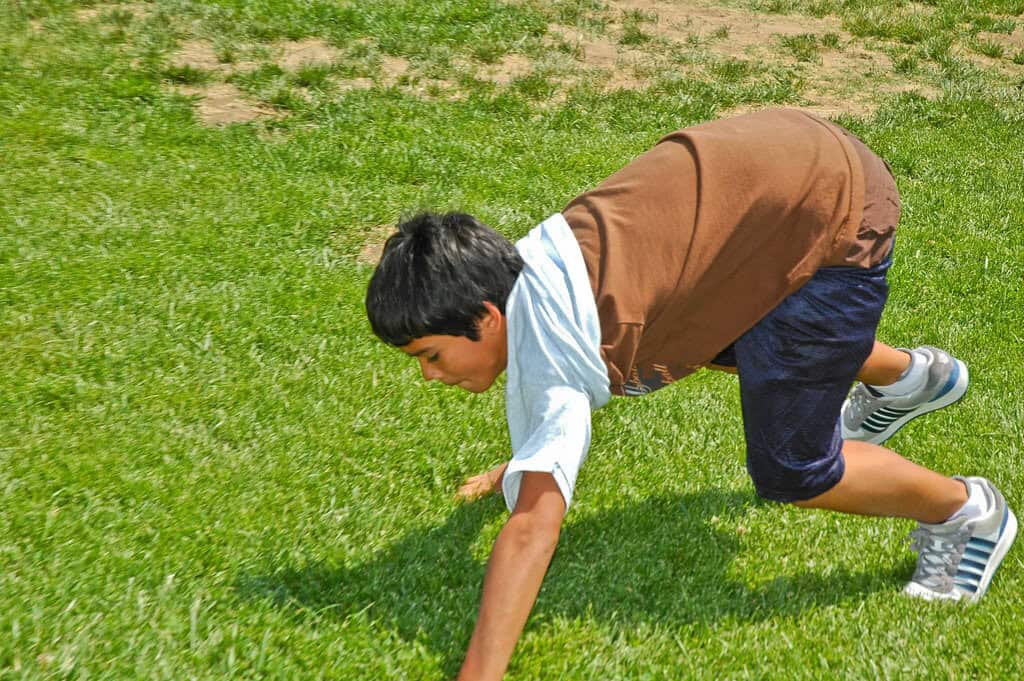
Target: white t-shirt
x,y
555,375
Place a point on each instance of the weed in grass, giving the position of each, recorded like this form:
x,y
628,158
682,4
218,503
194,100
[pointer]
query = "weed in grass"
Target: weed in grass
x,y
310,76
720,33
992,24
632,27
989,48
258,77
774,6
287,98
821,8
574,12
804,47
936,48
906,65
1018,57
633,35
830,40
488,52
118,17
881,22
731,70
186,74
226,53
534,86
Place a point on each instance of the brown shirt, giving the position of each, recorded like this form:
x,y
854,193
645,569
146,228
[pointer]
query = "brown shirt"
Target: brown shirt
x,y
697,239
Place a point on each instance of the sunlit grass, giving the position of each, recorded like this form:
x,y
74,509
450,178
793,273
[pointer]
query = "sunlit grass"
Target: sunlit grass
x,y
209,468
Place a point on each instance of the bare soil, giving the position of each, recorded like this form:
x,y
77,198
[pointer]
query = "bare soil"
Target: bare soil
x,y
139,10
373,244
223,103
306,52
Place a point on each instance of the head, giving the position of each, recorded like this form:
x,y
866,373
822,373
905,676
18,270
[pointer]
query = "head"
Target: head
x,y
439,295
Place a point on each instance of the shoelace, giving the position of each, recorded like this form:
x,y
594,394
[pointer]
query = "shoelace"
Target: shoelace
x,y
860,402
938,556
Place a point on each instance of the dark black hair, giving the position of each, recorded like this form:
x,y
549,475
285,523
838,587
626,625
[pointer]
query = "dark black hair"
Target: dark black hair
x,y
434,275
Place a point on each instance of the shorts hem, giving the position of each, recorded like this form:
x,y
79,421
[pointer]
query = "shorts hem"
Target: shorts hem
x,y
788,496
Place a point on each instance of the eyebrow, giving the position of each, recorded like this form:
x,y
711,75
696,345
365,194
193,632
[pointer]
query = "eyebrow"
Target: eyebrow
x,y
418,352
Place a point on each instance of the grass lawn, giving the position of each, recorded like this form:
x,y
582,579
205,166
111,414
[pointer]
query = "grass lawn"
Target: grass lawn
x,y
210,468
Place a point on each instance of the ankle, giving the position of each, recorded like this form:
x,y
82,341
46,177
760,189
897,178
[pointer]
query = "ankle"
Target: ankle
x,y
956,498
912,379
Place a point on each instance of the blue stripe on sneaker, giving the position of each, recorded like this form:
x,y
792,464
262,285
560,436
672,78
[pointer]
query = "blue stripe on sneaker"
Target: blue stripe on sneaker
x,y
983,544
976,553
953,377
967,578
972,564
879,418
973,588
970,568
885,416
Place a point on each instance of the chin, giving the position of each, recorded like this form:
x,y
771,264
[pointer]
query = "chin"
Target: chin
x,y
478,387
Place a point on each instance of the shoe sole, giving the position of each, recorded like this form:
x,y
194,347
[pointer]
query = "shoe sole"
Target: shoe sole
x,y
953,395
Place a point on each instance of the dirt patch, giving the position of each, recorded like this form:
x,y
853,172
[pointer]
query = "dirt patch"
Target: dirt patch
x,y
1012,43
837,72
197,54
306,52
87,14
623,67
597,52
201,55
393,68
435,88
223,103
346,84
733,32
373,245
512,66
137,10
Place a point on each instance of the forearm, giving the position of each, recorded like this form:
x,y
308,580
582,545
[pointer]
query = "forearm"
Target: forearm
x,y
515,572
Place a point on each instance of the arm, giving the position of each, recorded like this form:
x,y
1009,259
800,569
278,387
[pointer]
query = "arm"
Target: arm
x,y
515,571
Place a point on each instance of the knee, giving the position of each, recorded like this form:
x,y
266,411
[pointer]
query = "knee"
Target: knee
x,y
788,478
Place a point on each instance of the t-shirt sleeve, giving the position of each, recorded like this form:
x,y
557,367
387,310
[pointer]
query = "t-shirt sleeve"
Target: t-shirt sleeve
x,y
558,443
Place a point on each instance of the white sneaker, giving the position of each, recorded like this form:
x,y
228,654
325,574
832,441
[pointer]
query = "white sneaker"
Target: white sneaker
x,y
870,416
958,558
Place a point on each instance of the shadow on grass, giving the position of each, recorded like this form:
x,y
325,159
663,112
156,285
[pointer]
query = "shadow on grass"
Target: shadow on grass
x,y
660,560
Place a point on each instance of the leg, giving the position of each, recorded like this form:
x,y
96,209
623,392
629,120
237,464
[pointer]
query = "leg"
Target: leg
x,y
882,483
884,365
795,367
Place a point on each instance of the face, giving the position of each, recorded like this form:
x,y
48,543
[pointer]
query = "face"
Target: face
x,y
457,360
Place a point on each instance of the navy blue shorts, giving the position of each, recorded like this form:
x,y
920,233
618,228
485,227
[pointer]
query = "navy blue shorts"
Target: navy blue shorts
x,y
795,369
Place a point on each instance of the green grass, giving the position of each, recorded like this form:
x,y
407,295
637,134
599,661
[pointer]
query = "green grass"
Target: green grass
x,y
209,468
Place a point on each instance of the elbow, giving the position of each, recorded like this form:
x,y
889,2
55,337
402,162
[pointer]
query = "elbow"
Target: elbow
x,y
536,522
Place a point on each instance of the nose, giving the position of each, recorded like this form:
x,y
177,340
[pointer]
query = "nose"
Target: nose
x,y
430,372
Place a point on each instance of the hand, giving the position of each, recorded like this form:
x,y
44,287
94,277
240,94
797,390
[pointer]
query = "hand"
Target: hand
x,y
481,485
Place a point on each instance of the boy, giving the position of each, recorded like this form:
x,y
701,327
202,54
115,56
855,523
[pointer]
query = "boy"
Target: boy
x,y
759,244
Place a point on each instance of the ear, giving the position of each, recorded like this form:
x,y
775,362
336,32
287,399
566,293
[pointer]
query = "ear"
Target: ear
x,y
491,320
